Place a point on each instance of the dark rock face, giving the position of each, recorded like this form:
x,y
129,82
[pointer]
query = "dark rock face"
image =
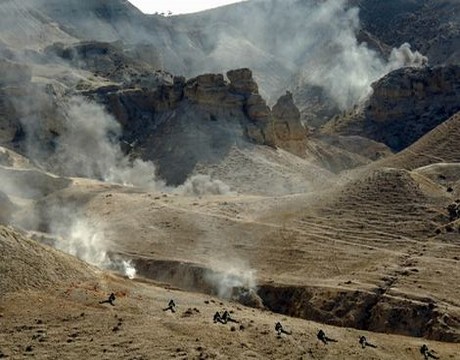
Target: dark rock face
x,y
199,120
241,81
405,105
431,26
408,103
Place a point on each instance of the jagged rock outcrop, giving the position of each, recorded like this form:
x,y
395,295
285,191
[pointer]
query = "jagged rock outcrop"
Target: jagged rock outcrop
x,y
286,119
405,105
199,120
212,93
242,82
289,131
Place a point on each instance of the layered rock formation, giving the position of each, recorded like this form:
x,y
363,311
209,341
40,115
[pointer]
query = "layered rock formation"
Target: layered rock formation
x,y
200,119
405,105
163,118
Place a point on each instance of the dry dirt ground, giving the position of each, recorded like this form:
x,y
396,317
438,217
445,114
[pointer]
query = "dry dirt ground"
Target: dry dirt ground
x,y
64,320
374,250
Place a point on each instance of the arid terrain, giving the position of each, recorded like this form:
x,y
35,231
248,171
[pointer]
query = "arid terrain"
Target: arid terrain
x,y
153,157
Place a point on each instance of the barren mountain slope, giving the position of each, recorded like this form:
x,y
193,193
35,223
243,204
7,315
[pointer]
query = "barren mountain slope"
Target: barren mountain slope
x,y
301,225
54,316
394,22
357,256
440,145
405,105
27,265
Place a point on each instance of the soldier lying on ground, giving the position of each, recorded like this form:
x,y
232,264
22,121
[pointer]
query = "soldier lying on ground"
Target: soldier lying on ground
x,y
322,336
428,353
279,329
110,300
218,318
364,343
226,317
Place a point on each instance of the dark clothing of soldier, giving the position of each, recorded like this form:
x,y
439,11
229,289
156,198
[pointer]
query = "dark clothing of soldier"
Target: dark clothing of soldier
x,y
364,343
171,306
110,300
322,336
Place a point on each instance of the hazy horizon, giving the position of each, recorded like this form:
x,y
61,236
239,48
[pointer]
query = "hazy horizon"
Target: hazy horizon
x,y
179,7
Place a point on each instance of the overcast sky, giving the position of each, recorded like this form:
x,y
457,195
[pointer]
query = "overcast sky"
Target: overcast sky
x,y
178,6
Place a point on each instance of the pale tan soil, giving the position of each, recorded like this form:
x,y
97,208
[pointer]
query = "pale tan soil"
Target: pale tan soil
x,y
361,253
68,323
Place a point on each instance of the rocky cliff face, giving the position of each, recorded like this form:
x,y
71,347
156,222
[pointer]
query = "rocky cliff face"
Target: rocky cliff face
x,y
405,105
164,118
428,25
218,40
199,120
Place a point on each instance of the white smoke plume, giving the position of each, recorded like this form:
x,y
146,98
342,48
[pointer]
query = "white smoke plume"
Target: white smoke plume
x,y
200,185
235,275
85,240
88,146
338,63
404,56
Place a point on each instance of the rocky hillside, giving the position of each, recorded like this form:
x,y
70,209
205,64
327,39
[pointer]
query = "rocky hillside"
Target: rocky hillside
x,y
404,106
431,26
127,76
437,146
222,39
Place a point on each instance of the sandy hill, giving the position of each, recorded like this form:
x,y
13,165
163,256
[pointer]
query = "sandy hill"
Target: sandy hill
x,y
363,253
49,301
437,146
242,204
61,323
28,265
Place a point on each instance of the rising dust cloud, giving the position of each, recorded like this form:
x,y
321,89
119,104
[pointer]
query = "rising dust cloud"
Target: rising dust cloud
x,y
324,52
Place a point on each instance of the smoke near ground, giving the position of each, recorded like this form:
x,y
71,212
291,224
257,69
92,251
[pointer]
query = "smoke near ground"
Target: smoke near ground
x,y
80,237
89,147
201,185
230,276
